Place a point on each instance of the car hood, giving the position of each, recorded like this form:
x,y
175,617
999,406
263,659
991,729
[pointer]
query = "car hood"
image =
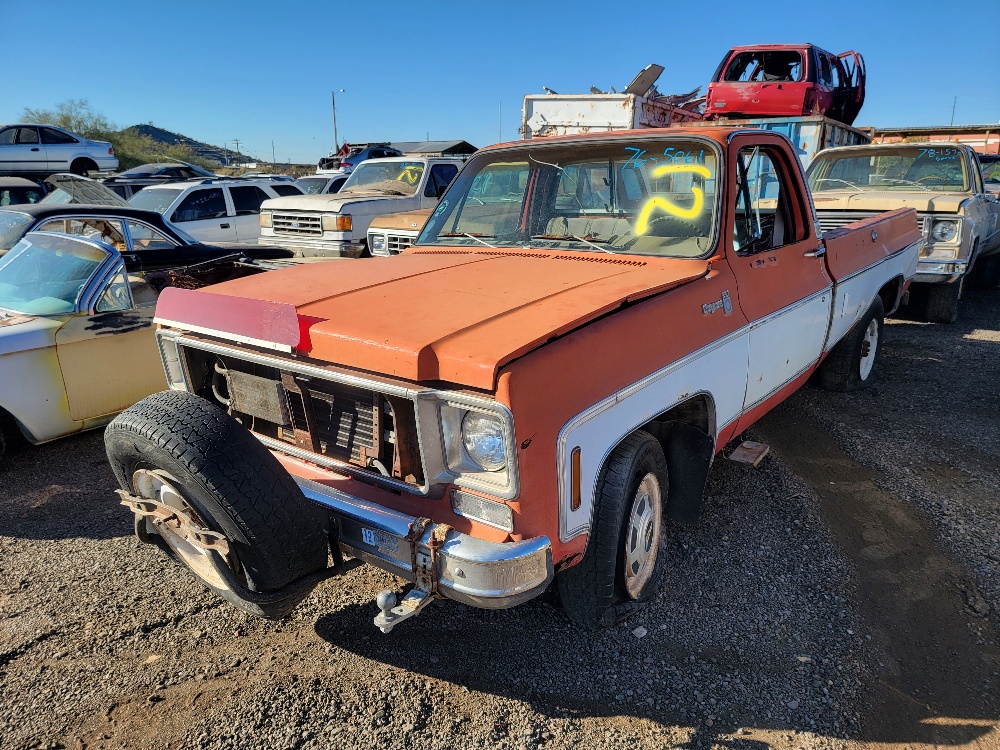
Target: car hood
x,y
408,220
20,333
327,202
886,200
429,314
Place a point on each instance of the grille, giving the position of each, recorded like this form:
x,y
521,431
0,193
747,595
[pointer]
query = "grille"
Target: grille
x,y
344,420
396,242
300,224
834,219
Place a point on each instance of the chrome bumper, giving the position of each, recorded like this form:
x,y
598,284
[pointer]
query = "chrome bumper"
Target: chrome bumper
x,y
491,575
939,272
314,248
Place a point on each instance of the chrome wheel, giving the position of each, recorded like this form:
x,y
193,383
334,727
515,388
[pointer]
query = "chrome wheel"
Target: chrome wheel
x,y
869,348
181,527
642,536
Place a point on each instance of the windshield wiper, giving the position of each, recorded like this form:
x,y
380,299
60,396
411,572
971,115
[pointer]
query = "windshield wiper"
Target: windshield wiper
x,y
584,240
481,242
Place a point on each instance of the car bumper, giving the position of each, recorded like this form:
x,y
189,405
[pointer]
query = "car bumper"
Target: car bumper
x,y
490,575
315,248
106,163
939,272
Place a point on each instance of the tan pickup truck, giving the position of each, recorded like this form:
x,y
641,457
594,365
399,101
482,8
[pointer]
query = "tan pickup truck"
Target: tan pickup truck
x,y
521,397
944,183
393,233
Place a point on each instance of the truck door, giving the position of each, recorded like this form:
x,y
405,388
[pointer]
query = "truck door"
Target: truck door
x,y
853,85
784,289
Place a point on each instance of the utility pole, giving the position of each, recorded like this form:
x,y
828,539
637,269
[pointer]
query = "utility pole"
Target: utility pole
x,y
333,101
237,142
953,105
272,153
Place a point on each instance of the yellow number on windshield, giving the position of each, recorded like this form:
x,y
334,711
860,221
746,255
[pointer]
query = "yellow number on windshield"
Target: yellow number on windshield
x,y
410,174
642,222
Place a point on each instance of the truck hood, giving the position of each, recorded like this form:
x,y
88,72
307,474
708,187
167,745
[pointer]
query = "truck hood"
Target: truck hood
x,y
20,333
428,314
407,220
886,200
329,203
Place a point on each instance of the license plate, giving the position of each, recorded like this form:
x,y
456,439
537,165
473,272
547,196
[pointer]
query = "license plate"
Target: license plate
x,y
380,539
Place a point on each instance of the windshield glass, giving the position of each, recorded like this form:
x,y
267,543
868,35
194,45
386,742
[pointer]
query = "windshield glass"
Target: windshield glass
x,y
941,170
643,197
312,185
155,198
12,226
391,178
46,274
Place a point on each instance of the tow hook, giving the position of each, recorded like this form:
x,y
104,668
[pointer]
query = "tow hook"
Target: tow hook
x,y
391,614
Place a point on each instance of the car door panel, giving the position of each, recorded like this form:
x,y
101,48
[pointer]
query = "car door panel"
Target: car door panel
x,y
27,153
246,200
206,214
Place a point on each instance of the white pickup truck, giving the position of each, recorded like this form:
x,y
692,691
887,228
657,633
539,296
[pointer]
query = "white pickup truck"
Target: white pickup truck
x,y
336,225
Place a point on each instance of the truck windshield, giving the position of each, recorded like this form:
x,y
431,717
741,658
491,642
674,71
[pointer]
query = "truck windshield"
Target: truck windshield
x,y
925,168
390,178
642,197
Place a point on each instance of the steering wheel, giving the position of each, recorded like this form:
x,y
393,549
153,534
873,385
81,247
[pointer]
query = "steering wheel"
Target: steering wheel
x,y
687,229
837,179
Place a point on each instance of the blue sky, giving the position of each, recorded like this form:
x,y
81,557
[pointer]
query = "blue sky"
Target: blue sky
x,y
262,71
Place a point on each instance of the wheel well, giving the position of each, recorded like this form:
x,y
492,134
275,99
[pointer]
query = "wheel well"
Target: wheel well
x,y
698,411
84,164
891,294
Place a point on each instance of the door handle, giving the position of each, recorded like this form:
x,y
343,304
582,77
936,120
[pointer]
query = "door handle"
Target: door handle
x,y
223,226
35,148
817,253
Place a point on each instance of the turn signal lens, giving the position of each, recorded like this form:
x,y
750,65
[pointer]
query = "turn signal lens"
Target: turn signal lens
x,y
265,219
337,223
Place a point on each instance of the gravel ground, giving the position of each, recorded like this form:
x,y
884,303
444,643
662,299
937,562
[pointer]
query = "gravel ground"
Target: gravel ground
x,y
768,634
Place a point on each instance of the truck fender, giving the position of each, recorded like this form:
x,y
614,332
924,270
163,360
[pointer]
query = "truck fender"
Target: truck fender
x,y
689,452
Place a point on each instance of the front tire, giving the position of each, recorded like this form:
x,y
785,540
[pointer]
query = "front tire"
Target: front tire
x,y
625,560
178,449
942,301
852,364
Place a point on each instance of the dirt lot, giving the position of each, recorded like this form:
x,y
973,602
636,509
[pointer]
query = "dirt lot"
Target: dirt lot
x,y
843,595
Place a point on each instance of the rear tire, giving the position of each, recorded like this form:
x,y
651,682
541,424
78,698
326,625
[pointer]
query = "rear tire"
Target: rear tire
x,y
852,365
942,301
235,487
625,560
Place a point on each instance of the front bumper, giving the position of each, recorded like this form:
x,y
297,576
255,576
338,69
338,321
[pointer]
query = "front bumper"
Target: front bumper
x,y
491,575
315,248
939,272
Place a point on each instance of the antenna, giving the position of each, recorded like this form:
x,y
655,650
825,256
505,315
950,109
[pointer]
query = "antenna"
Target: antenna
x,y
953,105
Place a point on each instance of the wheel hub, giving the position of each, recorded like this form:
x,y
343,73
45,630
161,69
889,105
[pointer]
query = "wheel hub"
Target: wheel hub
x,y
869,348
642,535
162,505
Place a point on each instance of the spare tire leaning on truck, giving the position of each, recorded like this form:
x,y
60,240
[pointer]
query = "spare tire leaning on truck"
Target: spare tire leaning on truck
x,y
213,497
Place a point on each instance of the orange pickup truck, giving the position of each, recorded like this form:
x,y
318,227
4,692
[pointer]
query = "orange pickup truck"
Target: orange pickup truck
x,y
523,396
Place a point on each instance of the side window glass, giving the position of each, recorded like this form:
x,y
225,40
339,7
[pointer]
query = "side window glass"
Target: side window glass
x,y
7,136
201,204
285,190
247,199
51,136
105,230
144,237
441,177
764,220
116,295
27,135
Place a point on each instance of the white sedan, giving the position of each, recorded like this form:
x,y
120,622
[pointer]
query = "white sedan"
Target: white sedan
x,y
45,149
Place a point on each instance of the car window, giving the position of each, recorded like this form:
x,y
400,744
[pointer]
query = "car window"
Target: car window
x,y
209,203
116,295
91,228
247,199
764,220
441,176
7,136
285,190
53,136
12,227
770,65
27,135
144,237
16,195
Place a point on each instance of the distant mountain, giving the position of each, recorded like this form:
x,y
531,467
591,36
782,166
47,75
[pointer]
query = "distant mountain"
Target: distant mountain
x,y
203,150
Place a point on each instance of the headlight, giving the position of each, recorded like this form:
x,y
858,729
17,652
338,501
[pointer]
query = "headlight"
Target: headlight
x,y
944,231
265,219
337,223
378,242
483,438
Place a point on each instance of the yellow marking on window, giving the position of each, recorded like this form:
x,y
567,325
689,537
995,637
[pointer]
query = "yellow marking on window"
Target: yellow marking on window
x,y
410,174
642,222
